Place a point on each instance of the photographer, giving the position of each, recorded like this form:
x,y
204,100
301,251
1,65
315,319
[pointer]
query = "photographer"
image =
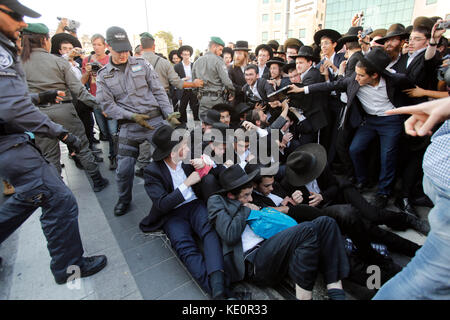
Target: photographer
x,y
91,65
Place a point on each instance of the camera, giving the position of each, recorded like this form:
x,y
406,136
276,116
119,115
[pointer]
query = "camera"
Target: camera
x,y
96,66
252,100
443,25
366,32
73,25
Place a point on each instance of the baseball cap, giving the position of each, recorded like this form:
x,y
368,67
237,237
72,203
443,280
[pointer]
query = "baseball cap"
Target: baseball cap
x,y
19,8
117,38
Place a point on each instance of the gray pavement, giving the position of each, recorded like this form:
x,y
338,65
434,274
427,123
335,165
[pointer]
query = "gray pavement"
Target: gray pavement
x,y
140,266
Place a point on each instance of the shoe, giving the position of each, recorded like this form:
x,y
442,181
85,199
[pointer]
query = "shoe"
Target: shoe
x,y
121,208
95,149
90,266
217,284
112,163
381,201
100,183
97,158
77,162
423,201
8,190
405,205
415,223
361,187
139,173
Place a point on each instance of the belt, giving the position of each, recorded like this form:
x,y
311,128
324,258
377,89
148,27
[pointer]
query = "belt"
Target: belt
x,y
212,93
52,104
152,114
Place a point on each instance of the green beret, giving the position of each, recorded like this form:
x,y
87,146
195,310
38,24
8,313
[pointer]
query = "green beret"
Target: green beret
x,y
36,28
146,35
218,41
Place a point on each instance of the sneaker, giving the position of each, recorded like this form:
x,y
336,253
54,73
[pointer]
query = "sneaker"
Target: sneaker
x,y
90,266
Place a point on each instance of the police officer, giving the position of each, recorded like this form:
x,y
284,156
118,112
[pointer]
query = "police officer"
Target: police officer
x,y
45,71
128,89
37,182
212,70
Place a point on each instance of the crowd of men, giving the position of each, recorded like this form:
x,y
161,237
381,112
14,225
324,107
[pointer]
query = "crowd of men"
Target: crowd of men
x,y
264,180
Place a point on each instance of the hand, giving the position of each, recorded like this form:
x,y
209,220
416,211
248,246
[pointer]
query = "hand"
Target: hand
x,y
275,104
355,21
228,163
295,89
437,34
295,112
415,92
259,106
251,206
342,67
104,114
297,196
424,116
324,71
248,125
329,64
140,119
63,23
198,164
173,119
365,41
193,179
315,199
52,96
198,83
287,138
72,142
288,200
250,157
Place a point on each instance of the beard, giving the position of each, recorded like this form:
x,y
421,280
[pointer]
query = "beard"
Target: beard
x,y
393,52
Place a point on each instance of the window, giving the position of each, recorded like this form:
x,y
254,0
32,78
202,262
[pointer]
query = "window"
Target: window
x,y
277,1
277,16
302,33
290,33
430,2
265,36
265,18
265,1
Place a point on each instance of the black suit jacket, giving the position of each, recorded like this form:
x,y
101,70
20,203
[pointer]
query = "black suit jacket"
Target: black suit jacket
x,y
264,89
355,113
337,60
238,78
159,187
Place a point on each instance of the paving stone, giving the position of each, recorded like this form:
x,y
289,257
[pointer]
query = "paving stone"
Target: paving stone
x,y
187,291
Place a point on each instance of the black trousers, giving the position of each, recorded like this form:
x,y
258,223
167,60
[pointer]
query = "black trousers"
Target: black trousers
x,y
330,132
189,97
343,141
300,252
86,117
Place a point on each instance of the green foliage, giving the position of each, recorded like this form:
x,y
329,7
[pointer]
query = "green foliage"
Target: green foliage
x,y
168,38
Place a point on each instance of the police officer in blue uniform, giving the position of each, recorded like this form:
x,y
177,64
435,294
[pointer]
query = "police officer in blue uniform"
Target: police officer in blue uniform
x,y
129,90
37,182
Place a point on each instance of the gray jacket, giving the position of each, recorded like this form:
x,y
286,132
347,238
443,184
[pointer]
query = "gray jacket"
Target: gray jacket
x,y
229,217
138,90
213,71
17,111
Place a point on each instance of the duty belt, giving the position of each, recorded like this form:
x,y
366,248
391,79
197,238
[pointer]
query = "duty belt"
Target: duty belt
x,y
212,93
152,114
52,104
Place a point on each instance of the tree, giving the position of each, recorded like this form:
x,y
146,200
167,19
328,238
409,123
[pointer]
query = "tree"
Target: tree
x,y
168,38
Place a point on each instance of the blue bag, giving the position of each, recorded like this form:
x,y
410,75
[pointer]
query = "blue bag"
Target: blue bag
x,y
268,222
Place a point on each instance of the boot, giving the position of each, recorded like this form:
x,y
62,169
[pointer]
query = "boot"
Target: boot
x,y
89,267
112,163
100,183
217,284
8,190
77,162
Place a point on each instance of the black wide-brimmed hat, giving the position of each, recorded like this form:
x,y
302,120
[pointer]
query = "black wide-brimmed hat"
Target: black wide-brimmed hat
x,y
293,42
210,117
241,46
228,50
329,33
378,33
274,45
20,9
172,53
218,134
265,47
262,170
223,107
276,60
58,38
305,164
234,177
162,141
378,59
185,48
242,108
289,66
350,36
395,30
305,52
281,50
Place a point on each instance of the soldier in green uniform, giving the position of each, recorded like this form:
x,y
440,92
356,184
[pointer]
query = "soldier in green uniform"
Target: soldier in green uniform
x,y
212,70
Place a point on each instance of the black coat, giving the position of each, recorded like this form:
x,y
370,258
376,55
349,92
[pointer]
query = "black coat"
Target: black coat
x,y
264,89
238,78
159,187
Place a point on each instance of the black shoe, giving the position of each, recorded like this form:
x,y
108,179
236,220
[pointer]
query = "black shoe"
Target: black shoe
x,y
139,173
112,163
381,201
95,149
121,208
421,226
100,183
90,266
405,205
423,201
97,159
77,162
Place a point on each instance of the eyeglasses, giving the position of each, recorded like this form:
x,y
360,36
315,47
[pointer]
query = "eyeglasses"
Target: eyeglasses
x,y
416,39
12,14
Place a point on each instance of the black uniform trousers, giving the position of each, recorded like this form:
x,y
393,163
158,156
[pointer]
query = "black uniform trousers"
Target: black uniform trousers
x,y
189,97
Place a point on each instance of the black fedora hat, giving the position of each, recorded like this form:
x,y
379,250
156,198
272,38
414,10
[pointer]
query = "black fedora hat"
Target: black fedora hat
x,y
172,53
274,45
265,47
242,108
58,38
276,60
241,46
234,177
293,43
378,59
350,36
163,143
289,66
280,50
218,134
262,170
329,33
185,48
305,52
221,107
305,164
395,30
228,50
210,117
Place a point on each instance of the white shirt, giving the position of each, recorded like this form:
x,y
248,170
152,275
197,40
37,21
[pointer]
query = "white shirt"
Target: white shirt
x,y
375,100
313,187
276,199
178,178
413,55
261,70
255,90
250,239
188,72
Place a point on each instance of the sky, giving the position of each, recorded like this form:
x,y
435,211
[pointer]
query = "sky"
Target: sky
x,y
194,21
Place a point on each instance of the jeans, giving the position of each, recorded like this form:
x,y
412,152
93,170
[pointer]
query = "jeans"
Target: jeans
x,y
389,130
427,276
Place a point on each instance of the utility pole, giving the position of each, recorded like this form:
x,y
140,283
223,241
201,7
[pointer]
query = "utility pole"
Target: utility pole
x,y
287,19
146,15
